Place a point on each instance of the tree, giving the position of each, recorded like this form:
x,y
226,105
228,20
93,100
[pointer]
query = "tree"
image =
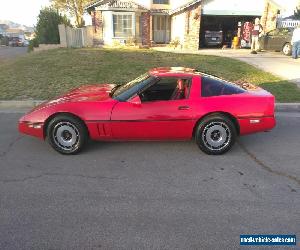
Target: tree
x,y
47,26
297,13
74,7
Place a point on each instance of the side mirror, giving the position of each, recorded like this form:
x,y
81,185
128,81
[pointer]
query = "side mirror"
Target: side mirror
x,y
136,100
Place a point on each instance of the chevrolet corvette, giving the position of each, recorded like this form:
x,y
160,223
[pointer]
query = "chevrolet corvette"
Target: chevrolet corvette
x,y
162,104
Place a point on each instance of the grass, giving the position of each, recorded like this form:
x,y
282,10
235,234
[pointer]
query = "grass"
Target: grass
x,y
46,74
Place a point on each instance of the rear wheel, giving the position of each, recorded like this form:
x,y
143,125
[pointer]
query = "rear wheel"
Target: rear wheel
x,y
66,134
287,49
215,135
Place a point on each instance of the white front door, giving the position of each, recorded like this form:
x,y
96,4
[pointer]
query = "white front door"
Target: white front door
x,y
161,29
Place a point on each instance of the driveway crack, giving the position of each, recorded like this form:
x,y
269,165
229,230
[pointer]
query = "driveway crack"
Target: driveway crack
x,y
60,175
266,167
10,146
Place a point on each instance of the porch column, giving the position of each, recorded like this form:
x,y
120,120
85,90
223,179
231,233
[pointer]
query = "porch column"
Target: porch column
x,y
97,22
146,28
151,28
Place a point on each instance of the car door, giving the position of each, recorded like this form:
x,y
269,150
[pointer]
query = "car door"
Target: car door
x,y
282,38
155,118
270,40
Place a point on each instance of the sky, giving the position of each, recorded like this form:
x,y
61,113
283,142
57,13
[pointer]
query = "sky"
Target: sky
x,y
26,11
21,11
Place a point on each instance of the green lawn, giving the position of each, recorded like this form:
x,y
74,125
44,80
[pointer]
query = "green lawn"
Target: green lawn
x,y
46,74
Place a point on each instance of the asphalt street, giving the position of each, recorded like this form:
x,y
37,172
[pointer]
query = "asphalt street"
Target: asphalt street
x,y
11,52
148,195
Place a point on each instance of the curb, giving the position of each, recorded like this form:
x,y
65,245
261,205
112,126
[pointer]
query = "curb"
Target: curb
x,y
19,104
287,107
28,104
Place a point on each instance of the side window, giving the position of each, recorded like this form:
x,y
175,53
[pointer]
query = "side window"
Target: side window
x,y
273,32
283,31
165,89
160,1
216,87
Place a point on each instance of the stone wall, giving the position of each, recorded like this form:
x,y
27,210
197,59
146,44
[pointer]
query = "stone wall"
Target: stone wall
x,y
192,28
188,33
43,47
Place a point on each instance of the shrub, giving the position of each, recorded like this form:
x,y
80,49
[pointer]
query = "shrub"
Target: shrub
x,y
47,26
175,43
131,41
297,13
116,43
34,43
4,40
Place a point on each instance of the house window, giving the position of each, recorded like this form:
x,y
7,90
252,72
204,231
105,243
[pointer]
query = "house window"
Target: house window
x,y
160,23
160,1
123,25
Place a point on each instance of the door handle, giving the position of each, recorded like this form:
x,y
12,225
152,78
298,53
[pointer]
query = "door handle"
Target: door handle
x,y
183,108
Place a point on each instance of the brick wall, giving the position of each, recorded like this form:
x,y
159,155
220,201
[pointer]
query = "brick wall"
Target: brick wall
x,y
97,22
146,28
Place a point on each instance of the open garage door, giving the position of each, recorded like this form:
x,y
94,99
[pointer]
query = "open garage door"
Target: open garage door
x,y
215,26
220,15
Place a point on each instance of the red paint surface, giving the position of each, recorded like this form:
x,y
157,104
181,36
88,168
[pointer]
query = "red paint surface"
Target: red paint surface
x,y
109,119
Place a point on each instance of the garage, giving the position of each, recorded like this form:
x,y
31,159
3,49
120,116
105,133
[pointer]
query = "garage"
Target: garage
x,y
220,20
220,30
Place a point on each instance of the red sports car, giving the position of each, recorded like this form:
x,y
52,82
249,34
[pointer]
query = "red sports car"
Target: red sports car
x,y
163,104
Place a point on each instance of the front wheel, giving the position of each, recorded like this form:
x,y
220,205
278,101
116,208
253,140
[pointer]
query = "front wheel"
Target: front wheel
x,y
287,49
66,134
215,134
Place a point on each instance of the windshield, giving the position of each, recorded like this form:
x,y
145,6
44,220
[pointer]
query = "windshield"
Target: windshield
x,y
123,92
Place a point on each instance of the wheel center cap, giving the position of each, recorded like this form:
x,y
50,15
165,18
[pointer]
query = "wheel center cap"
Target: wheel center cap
x,y
215,135
66,135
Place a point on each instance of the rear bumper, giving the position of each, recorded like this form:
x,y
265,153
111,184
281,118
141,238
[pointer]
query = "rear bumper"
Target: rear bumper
x,y
214,43
256,124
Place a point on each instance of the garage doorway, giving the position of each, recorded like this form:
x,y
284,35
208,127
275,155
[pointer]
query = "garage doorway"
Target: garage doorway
x,y
227,24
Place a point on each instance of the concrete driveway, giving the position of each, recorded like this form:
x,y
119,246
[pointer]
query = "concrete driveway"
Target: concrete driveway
x,y
148,195
11,52
273,62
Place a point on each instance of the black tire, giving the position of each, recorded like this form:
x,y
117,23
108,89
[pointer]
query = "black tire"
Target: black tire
x,y
215,134
67,134
287,49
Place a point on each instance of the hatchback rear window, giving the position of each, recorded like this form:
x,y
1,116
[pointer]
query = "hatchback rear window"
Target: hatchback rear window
x,y
215,87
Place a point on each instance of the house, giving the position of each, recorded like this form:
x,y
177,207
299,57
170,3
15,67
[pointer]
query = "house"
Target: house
x,y
3,28
2,32
14,32
150,22
287,15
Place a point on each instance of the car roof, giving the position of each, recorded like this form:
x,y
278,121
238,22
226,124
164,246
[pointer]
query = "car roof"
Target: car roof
x,y
187,72
171,71
183,71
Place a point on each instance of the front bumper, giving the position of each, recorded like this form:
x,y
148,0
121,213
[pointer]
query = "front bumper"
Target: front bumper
x,y
33,129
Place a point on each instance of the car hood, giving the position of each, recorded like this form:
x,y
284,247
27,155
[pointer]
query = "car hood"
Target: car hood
x,y
92,92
